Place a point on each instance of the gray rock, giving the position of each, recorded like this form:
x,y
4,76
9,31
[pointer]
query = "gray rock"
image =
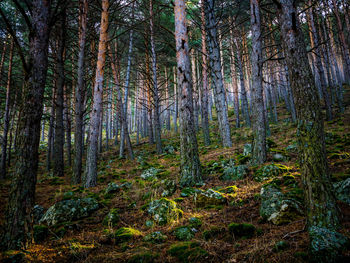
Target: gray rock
x,y
169,187
233,173
277,157
184,233
210,197
342,191
164,211
150,174
112,188
247,149
155,237
169,149
69,210
276,207
268,171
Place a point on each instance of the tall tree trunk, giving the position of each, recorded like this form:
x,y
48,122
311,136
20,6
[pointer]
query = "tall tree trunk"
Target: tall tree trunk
x,y
6,116
258,116
216,73
58,161
22,192
90,178
205,84
80,95
322,213
190,164
51,130
156,112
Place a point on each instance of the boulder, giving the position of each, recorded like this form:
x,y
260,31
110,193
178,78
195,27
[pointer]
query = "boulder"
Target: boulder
x,y
269,171
124,234
233,173
187,252
150,174
156,237
184,233
69,210
276,207
247,149
210,197
164,211
342,191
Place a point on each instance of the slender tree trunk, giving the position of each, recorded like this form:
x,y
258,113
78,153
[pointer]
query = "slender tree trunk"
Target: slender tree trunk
x,y
190,164
258,116
205,84
156,112
22,192
217,78
58,161
51,130
176,102
80,95
90,178
6,116
322,213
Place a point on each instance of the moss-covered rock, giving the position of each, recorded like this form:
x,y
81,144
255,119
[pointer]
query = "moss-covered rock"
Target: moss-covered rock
x,y
164,211
210,197
40,233
69,210
169,149
144,257
212,232
184,233
242,230
194,222
168,187
187,252
342,191
112,218
112,188
124,234
156,237
189,191
150,174
276,207
269,171
233,173
326,245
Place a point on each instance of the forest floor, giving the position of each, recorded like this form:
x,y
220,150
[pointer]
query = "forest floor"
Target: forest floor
x,y
89,240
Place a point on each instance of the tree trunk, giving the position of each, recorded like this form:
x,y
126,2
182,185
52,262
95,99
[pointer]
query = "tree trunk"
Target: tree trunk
x,y
90,178
258,116
80,95
190,164
322,213
22,192
217,78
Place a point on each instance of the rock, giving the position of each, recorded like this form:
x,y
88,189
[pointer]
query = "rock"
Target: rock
x,y
124,234
149,223
112,188
37,212
155,237
169,149
169,187
210,197
229,189
112,218
213,232
150,174
268,171
292,148
195,222
189,191
68,195
187,252
342,191
126,185
242,230
233,173
164,211
276,207
69,210
277,157
247,149
184,233
143,257
327,244
40,233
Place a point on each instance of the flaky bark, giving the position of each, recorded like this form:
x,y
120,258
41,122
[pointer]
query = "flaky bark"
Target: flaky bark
x,y
90,178
190,164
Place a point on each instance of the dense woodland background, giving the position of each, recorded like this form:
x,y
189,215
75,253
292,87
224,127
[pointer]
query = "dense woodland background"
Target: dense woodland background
x,y
175,131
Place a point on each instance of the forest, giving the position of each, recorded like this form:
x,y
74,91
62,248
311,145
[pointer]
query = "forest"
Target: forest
x,y
145,131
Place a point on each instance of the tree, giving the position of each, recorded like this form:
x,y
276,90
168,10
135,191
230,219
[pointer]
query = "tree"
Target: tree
x,y
190,164
258,116
95,117
322,212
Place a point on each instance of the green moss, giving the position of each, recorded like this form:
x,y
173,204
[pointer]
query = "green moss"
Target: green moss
x,y
195,222
213,232
125,234
280,246
242,230
112,218
187,252
183,233
155,237
144,257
